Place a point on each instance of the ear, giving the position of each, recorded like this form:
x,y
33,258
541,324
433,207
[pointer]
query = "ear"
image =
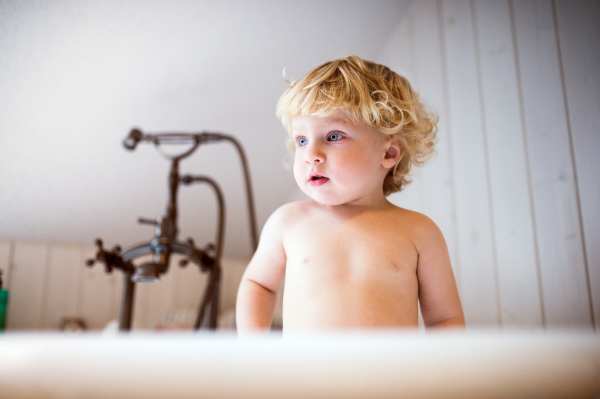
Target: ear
x,y
393,152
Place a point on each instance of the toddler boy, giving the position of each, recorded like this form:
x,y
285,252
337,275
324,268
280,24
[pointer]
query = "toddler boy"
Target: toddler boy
x,y
350,258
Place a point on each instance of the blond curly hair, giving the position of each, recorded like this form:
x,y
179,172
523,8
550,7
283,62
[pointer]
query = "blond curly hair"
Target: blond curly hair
x,y
371,93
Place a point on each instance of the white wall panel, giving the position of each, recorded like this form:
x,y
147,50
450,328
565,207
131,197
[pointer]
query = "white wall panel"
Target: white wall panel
x,y
233,271
579,39
562,263
140,312
396,53
191,288
99,293
64,283
476,256
511,204
27,286
178,294
436,174
141,300
161,296
399,56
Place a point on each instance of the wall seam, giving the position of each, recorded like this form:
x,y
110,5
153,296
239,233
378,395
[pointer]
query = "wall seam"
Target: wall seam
x,y
81,282
446,89
572,151
527,162
487,159
45,278
408,11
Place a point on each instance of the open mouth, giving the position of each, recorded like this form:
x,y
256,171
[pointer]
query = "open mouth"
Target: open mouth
x,y
317,180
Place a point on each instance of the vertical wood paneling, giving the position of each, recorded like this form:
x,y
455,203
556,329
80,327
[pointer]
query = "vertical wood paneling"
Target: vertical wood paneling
x,y
161,296
512,213
436,174
116,282
188,292
141,307
62,294
191,287
413,194
475,258
66,288
396,51
562,264
98,293
27,286
400,56
233,271
579,41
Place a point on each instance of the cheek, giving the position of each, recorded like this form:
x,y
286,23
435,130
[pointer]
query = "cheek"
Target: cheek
x,y
298,171
357,166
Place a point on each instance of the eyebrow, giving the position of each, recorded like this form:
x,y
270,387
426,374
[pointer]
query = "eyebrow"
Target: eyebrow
x,y
297,132
335,121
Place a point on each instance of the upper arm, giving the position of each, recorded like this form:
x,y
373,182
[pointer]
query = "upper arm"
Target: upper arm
x,y
267,266
438,294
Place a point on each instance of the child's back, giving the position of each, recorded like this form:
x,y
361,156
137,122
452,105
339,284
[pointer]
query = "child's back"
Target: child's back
x,y
350,258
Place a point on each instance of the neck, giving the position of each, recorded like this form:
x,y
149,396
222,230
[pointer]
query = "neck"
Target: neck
x,y
361,205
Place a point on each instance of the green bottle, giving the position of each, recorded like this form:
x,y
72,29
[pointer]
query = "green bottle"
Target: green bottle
x,y
3,304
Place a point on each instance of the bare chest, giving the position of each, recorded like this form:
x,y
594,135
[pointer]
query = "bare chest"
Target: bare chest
x,y
350,248
349,273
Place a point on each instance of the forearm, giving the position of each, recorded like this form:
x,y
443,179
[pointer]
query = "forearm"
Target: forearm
x,y
255,307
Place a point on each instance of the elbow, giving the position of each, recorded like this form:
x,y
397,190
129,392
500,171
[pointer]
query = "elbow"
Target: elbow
x,y
259,285
454,323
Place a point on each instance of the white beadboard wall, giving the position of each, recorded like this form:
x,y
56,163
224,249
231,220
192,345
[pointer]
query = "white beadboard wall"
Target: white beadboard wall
x,y
515,185
48,282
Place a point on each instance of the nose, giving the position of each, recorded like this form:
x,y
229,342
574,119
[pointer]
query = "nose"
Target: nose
x,y
314,154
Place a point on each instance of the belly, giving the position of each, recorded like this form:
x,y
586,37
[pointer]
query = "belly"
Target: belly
x,y
352,294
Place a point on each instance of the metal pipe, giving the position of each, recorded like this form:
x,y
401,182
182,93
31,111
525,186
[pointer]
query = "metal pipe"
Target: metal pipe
x,y
126,310
212,290
173,185
249,194
214,301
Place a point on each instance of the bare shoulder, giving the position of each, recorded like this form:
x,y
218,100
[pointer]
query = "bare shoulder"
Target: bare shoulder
x,y
267,267
281,220
415,219
423,230
293,209
287,214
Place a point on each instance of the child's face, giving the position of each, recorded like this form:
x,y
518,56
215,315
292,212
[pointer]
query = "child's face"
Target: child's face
x,y
337,162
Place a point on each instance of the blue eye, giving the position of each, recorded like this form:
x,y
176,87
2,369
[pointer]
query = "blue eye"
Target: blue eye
x,y
302,141
335,137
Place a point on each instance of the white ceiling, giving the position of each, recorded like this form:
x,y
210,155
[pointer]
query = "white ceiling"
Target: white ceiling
x,y
76,76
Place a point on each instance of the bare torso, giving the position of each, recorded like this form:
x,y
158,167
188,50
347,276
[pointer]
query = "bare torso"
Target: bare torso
x,y
349,268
